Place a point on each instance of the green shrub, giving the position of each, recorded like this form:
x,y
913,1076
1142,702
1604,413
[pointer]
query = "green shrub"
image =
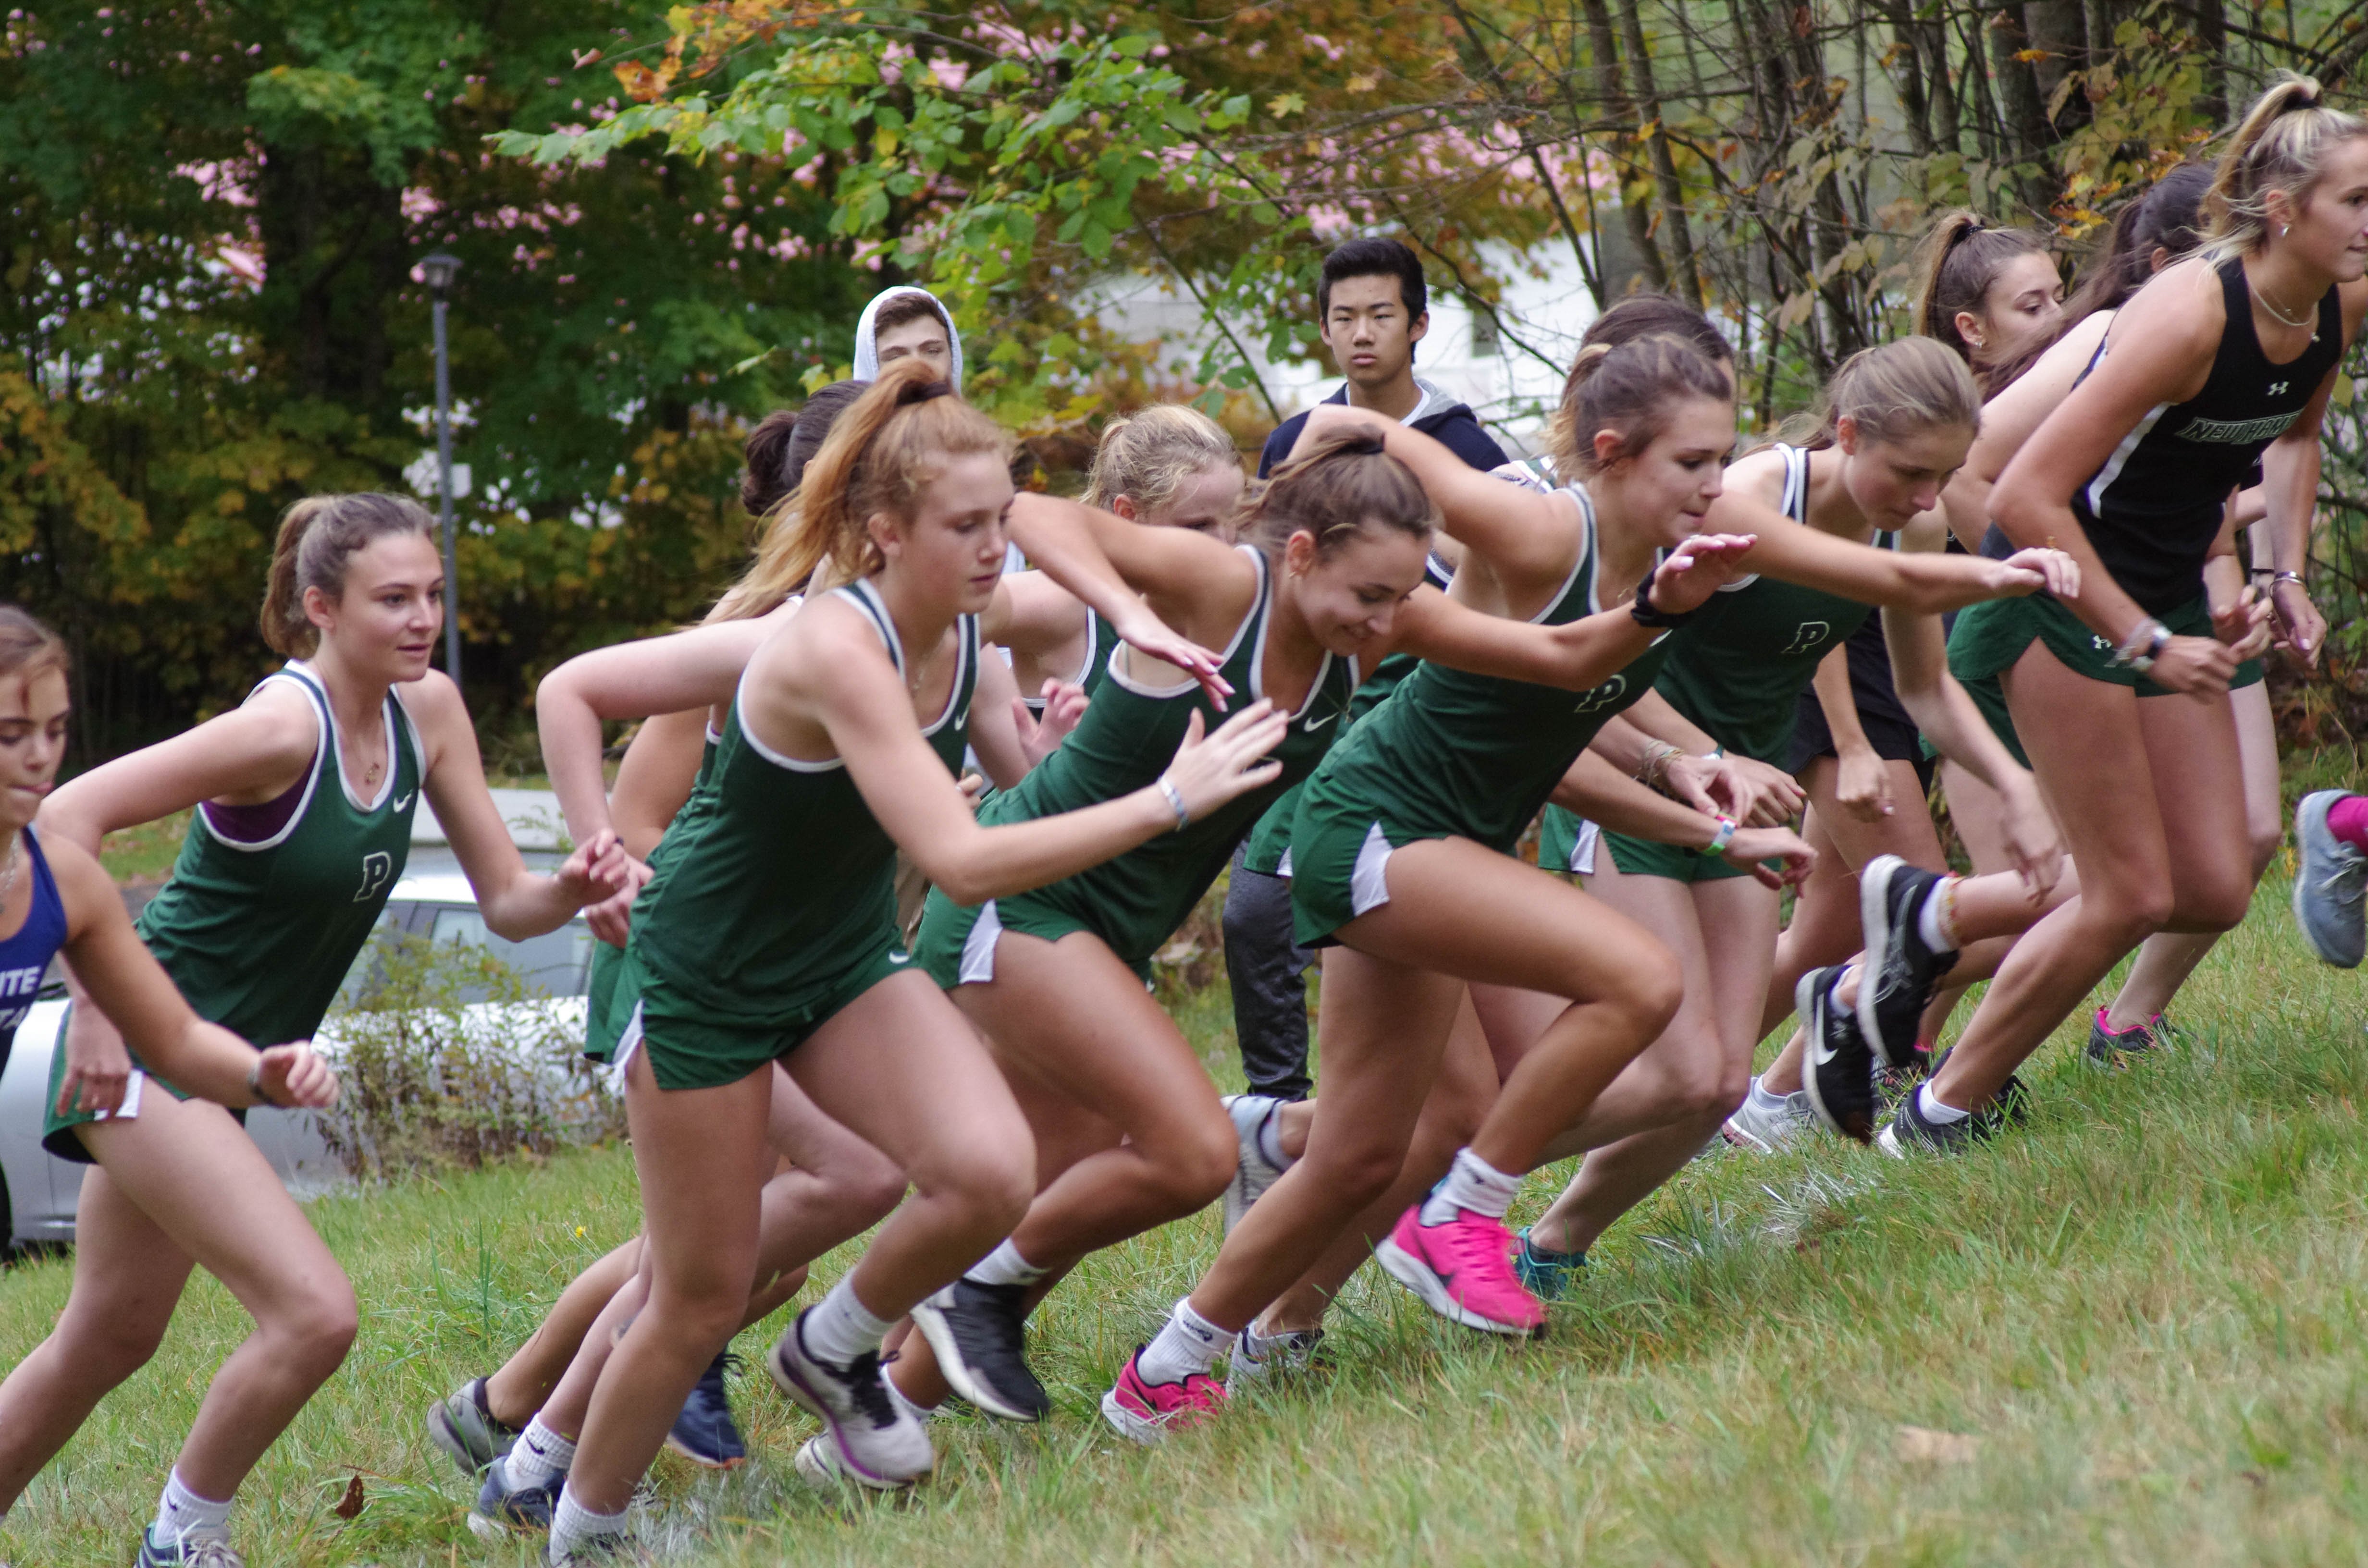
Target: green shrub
x,y
450,1056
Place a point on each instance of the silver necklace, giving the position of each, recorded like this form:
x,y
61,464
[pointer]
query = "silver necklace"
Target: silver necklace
x,y
2302,320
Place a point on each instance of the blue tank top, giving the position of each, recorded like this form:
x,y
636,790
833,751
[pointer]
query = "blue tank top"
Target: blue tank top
x,y
25,957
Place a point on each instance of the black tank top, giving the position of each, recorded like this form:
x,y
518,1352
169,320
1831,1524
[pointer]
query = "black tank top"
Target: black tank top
x,y
2154,510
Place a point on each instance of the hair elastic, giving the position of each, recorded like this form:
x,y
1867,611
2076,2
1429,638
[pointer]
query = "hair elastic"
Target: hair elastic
x,y
922,392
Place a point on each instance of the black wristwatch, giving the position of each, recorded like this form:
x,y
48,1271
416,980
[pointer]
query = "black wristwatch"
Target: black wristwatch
x,y
1642,609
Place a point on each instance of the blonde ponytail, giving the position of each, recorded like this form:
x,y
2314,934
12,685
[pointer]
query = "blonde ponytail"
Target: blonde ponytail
x,y
879,455
2281,145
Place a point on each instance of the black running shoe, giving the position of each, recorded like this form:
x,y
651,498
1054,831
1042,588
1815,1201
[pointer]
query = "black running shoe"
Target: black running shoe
x,y
705,1433
1837,1070
2117,1051
1909,1133
1901,972
980,1335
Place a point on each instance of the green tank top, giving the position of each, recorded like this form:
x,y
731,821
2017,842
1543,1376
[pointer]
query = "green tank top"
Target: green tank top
x,y
1129,735
1101,640
258,936
776,877
1738,669
1476,755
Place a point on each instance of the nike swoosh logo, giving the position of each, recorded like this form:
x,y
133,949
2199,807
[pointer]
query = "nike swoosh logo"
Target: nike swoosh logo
x,y
896,956
1315,724
403,799
1820,1052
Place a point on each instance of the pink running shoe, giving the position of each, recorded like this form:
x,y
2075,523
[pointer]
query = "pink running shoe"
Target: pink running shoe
x,y
1145,1411
1462,1270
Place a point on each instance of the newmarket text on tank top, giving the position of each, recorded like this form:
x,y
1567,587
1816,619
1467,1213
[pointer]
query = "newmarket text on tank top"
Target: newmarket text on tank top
x,y
2154,508
24,954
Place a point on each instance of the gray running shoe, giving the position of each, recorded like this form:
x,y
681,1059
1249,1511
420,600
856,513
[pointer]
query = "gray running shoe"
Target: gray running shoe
x,y
463,1427
2327,885
1253,1172
1909,1133
1258,1359
1763,1129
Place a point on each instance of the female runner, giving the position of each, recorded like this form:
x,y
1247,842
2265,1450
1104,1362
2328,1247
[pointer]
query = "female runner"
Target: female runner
x,y
1167,466
1993,295
1054,978
54,898
1898,421
304,800
1987,912
2223,358
838,1186
768,935
1400,853
2151,232
830,1185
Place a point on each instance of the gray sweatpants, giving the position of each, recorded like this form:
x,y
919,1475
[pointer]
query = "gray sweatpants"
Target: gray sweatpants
x,y
1269,971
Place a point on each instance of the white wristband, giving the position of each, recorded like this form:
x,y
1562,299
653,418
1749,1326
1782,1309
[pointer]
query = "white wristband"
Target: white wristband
x,y
1175,804
1725,836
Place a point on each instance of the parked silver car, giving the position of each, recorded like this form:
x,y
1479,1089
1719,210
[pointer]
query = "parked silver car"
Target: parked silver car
x,y
37,1190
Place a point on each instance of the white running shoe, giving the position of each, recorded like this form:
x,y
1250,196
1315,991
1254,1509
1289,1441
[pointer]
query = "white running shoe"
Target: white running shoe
x,y
818,1462
876,1440
1253,1172
1764,1129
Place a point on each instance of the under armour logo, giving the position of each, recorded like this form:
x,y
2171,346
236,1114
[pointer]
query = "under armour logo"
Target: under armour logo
x,y
2100,645
1805,636
2278,388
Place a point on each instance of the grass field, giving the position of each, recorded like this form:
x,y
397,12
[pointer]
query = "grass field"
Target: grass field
x,y
2133,1334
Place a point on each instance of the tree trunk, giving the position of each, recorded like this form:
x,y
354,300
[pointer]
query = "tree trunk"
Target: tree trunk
x,y
2060,30
2030,138
1605,46
1665,167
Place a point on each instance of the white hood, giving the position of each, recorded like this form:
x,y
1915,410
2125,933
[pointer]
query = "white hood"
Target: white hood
x,y
867,347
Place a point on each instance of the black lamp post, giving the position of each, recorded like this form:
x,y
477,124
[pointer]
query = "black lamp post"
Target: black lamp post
x,y
439,268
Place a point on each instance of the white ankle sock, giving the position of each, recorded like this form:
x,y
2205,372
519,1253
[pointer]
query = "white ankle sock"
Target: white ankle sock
x,y
181,1513
538,1454
1473,1184
1932,923
911,1406
838,1328
573,1524
1186,1344
1936,1113
1765,1099
1004,1265
1270,1139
